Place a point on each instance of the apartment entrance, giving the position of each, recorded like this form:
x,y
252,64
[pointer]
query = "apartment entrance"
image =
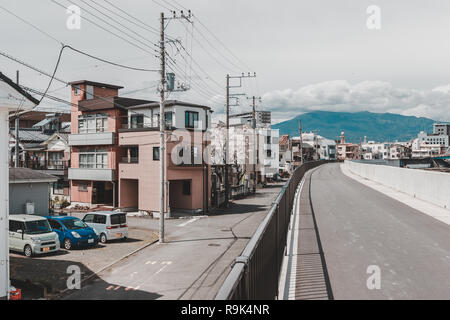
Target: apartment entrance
x,y
102,192
180,194
129,193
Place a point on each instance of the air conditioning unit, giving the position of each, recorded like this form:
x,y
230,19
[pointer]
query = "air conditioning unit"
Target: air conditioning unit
x,y
29,208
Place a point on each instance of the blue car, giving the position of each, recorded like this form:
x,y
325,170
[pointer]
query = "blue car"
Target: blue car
x,y
73,232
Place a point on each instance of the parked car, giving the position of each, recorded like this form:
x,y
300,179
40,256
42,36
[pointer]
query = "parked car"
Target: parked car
x,y
109,224
31,235
73,232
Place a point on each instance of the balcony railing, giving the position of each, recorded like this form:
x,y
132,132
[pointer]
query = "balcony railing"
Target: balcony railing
x,y
129,160
46,165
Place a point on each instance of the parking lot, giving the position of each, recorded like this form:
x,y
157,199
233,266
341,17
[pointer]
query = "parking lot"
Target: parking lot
x,y
46,276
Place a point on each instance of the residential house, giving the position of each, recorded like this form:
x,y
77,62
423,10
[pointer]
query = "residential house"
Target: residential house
x,y
12,97
186,171
97,114
286,155
400,151
57,151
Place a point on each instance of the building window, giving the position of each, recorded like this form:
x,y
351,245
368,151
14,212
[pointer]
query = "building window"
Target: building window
x,y
268,138
134,155
137,121
168,118
96,159
191,119
187,187
89,92
156,153
92,123
77,90
269,153
60,188
82,187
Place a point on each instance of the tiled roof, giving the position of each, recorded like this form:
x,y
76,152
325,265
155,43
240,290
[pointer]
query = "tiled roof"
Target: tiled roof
x,y
30,135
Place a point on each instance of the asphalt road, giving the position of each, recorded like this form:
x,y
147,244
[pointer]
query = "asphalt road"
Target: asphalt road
x,y
192,264
360,227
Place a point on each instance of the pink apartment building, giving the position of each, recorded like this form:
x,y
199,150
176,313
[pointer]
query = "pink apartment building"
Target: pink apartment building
x,y
187,174
97,113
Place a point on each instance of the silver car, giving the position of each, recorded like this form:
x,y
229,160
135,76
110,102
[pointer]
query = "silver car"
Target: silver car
x,y
110,225
31,235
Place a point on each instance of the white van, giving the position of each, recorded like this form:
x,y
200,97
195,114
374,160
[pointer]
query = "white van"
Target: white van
x,y
31,235
110,225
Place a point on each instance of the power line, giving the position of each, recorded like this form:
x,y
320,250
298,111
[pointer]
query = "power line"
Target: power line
x,y
70,47
151,29
119,23
133,17
109,62
32,25
103,28
223,45
54,73
163,6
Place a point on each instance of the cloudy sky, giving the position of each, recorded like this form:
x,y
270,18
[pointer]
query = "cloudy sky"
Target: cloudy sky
x,y
308,55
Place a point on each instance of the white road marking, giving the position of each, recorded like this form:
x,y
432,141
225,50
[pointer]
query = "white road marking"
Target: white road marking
x,y
187,222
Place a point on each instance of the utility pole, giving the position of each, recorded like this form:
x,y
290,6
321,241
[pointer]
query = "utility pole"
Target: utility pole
x,y
162,139
227,145
227,142
301,142
162,118
255,146
16,151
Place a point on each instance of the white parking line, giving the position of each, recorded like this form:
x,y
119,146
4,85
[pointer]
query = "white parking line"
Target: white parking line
x,y
187,222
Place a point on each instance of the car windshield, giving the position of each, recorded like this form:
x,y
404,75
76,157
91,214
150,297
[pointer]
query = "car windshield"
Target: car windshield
x,y
73,224
37,227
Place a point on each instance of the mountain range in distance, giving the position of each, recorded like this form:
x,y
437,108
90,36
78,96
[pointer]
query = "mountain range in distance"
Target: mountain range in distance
x,y
380,127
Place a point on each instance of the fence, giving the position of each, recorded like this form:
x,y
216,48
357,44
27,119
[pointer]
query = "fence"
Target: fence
x,y
255,274
240,191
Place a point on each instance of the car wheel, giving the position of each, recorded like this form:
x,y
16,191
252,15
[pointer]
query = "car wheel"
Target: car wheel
x,y
28,252
67,244
103,238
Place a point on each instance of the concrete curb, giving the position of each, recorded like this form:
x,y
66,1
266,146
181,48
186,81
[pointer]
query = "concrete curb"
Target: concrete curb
x,y
108,266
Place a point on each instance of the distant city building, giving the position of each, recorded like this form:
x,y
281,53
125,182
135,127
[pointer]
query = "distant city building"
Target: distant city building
x,y
263,118
347,151
434,144
373,150
441,129
400,151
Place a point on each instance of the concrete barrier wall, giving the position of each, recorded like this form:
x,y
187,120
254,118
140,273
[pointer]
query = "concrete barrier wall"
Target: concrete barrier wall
x,y
433,187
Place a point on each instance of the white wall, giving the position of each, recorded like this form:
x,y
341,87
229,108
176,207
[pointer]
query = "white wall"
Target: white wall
x,y
433,187
4,210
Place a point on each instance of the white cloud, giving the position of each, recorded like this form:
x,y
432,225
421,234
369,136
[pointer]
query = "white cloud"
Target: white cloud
x,y
374,96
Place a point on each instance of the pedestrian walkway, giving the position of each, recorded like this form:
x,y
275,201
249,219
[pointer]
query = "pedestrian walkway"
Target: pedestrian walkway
x,y
304,276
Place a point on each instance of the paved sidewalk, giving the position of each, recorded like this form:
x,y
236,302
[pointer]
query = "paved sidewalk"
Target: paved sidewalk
x,y
304,276
195,260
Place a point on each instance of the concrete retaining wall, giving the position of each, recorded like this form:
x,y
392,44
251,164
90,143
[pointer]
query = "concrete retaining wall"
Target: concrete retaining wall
x,y
433,187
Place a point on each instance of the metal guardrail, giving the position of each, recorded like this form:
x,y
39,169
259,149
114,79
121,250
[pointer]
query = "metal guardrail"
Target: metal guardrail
x,y
255,274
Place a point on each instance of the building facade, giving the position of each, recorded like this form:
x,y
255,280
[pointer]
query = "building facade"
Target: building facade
x,y
187,173
97,113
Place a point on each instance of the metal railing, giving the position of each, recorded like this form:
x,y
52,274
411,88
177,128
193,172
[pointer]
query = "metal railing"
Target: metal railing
x,y
255,274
